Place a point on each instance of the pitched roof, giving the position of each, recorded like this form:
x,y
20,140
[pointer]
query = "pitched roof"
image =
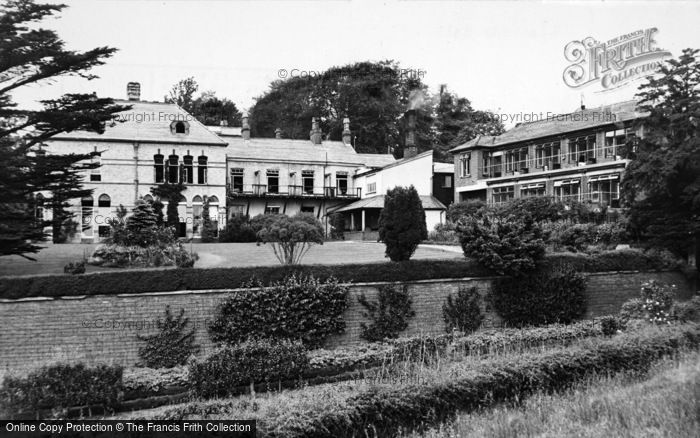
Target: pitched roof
x,y
556,124
429,202
284,150
149,122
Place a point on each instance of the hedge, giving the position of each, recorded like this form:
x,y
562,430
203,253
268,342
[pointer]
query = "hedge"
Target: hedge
x,y
61,386
383,411
142,281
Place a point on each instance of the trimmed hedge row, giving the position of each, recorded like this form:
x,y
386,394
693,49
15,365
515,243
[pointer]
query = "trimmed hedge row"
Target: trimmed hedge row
x,y
141,281
60,387
384,411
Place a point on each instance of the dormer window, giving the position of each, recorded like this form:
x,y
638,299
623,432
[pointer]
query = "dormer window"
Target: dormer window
x,y
180,127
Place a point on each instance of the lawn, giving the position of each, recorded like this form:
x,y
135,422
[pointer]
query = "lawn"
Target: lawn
x,y
53,258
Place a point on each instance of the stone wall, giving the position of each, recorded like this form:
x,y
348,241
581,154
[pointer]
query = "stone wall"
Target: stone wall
x,y
103,329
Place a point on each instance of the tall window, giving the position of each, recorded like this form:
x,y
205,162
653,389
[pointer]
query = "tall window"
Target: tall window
x,y
307,181
516,160
173,169
237,180
503,194
159,168
605,189
614,140
273,181
95,174
465,164
202,170
582,149
371,187
547,154
567,190
197,207
104,201
341,181
188,170
86,205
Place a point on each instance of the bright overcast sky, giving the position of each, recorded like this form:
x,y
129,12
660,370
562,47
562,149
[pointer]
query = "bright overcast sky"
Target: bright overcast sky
x,y
503,56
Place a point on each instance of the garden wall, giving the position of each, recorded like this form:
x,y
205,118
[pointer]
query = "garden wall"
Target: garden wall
x,y
103,328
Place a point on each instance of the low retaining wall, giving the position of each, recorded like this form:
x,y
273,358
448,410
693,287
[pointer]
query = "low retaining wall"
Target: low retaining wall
x,y
103,329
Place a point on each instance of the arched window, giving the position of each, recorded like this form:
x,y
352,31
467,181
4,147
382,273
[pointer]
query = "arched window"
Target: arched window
x,y
197,200
104,201
159,168
202,170
148,198
87,201
213,200
180,128
173,168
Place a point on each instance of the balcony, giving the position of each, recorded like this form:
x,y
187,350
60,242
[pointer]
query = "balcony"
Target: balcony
x,y
291,191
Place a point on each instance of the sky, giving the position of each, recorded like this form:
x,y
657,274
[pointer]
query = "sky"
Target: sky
x,y
506,57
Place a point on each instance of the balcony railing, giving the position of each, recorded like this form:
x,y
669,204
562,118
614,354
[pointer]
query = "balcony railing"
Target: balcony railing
x,y
292,191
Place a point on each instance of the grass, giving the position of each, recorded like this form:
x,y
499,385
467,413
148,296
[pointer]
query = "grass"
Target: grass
x,y
297,408
623,405
53,258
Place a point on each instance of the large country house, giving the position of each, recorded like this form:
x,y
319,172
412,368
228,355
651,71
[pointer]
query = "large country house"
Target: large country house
x,y
154,143
575,156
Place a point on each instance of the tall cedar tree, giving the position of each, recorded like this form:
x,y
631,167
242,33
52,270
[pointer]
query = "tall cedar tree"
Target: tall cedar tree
x,y
208,227
402,223
662,182
173,193
31,56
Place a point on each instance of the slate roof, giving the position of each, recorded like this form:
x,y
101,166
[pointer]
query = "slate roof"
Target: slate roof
x,y
559,124
150,122
429,203
284,150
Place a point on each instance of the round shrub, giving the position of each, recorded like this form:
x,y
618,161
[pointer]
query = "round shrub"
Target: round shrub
x,y
298,307
543,297
253,361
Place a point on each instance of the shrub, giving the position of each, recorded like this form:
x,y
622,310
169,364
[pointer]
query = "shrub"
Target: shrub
x,y
337,222
544,297
539,209
75,268
114,255
459,210
292,237
238,229
507,245
632,309
687,311
402,223
610,325
172,345
444,233
657,299
463,313
60,387
389,315
253,361
209,230
298,307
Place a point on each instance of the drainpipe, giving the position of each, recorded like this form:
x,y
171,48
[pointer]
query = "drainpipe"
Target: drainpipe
x,y
136,171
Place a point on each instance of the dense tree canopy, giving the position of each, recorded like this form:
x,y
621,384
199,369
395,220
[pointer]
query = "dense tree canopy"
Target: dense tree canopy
x,y
207,108
402,223
29,56
375,96
662,182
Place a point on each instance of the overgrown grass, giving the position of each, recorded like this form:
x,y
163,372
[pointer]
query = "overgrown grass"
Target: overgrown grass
x,y
622,405
414,394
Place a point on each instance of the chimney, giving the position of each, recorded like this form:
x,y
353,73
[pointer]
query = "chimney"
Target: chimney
x,y
245,128
278,133
315,133
410,149
133,91
347,135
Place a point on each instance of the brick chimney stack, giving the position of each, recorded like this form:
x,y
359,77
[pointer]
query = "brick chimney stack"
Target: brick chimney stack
x,y
133,91
410,149
347,134
315,133
245,128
